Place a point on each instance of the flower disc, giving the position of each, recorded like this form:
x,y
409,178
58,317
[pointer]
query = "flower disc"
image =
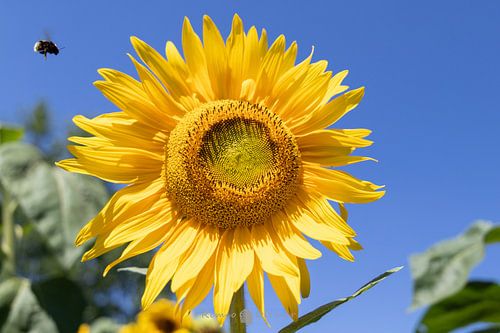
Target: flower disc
x,y
231,163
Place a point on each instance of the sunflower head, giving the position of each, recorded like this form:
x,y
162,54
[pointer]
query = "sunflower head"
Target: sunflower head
x,y
160,317
83,328
230,163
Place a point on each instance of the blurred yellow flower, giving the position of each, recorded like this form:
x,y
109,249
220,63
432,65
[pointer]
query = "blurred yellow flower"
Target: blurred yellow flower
x,y
228,164
160,317
206,324
84,328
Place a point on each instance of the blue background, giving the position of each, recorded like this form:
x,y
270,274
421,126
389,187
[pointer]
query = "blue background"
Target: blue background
x,y
431,71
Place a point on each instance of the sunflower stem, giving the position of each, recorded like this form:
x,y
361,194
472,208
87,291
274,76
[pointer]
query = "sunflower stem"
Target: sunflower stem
x,y
237,312
8,241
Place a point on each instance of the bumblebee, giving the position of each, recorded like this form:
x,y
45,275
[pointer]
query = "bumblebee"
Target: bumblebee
x,y
46,46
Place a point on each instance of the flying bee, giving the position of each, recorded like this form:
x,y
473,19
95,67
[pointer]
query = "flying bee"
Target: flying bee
x,y
46,46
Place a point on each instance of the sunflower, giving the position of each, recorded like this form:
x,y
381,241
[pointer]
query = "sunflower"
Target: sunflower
x,y
160,317
83,328
229,166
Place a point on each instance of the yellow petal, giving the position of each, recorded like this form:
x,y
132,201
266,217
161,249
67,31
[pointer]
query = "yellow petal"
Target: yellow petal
x,y
98,249
223,292
341,250
270,68
285,295
293,282
323,140
196,257
340,176
166,260
195,60
290,81
342,192
169,73
141,245
122,157
322,211
354,132
115,164
307,97
148,221
273,261
343,212
335,86
234,262
330,113
136,105
324,157
256,287
215,53
241,252
289,58
340,186
305,282
201,286
292,239
159,273
308,225
355,246
263,45
91,141
122,130
182,291
114,76
165,103
235,47
122,205
248,90
252,56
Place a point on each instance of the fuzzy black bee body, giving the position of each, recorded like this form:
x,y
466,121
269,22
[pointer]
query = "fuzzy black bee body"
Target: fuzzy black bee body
x,y
46,46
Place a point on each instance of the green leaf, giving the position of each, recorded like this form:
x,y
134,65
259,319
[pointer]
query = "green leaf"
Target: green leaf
x,y
58,203
20,311
63,300
489,329
476,302
443,269
10,133
493,236
318,313
137,270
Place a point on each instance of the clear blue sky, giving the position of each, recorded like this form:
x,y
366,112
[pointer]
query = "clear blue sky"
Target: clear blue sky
x,y
432,76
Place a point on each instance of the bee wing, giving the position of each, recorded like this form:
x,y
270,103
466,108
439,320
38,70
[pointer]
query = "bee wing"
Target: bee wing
x,y
47,34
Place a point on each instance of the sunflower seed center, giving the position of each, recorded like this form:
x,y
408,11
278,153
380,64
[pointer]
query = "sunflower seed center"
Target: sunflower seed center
x,y
231,163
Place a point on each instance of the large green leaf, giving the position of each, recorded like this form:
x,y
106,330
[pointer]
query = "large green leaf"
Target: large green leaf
x,y
57,202
10,133
476,302
443,269
318,313
63,300
20,311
